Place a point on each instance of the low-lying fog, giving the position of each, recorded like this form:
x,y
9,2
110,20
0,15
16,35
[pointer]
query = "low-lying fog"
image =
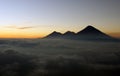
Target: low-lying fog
x,y
55,57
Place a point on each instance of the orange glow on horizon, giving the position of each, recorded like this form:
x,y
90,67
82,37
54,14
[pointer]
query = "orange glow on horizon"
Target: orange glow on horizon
x,y
117,35
37,32
18,33
30,35
21,35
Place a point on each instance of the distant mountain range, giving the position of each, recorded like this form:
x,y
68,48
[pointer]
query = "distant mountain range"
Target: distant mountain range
x,y
88,33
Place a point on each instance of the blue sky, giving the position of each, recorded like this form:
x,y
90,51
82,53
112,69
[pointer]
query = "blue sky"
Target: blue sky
x,y
45,16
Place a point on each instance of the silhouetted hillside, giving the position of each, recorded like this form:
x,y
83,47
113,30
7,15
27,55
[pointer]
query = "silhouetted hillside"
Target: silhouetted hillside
x,y
88,33
54,35
69,34
91,33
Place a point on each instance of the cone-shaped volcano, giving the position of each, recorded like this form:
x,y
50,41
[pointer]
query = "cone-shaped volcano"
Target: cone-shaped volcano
x,y
90,30
91,33
88,33
69,34
54,35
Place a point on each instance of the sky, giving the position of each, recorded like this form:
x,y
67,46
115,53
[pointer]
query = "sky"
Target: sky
x,y
38,18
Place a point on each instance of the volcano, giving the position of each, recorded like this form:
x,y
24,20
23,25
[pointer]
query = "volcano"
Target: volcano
x,y
92,33
54,35
69,34
88,33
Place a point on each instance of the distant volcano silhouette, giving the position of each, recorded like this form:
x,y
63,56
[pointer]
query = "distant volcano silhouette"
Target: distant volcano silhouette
x,y
54,35
90,30
88,33
91,33
69,34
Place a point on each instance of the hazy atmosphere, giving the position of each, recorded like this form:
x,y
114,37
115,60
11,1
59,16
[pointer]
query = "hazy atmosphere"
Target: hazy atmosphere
x,y
38,18
59,37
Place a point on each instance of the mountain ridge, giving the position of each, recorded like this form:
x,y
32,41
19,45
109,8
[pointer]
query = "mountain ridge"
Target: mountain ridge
x,y
88,33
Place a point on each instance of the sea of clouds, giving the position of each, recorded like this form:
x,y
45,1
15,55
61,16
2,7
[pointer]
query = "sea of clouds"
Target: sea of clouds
x,y
58,57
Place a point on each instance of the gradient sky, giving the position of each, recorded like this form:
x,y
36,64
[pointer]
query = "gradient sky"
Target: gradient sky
x,y
37,18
